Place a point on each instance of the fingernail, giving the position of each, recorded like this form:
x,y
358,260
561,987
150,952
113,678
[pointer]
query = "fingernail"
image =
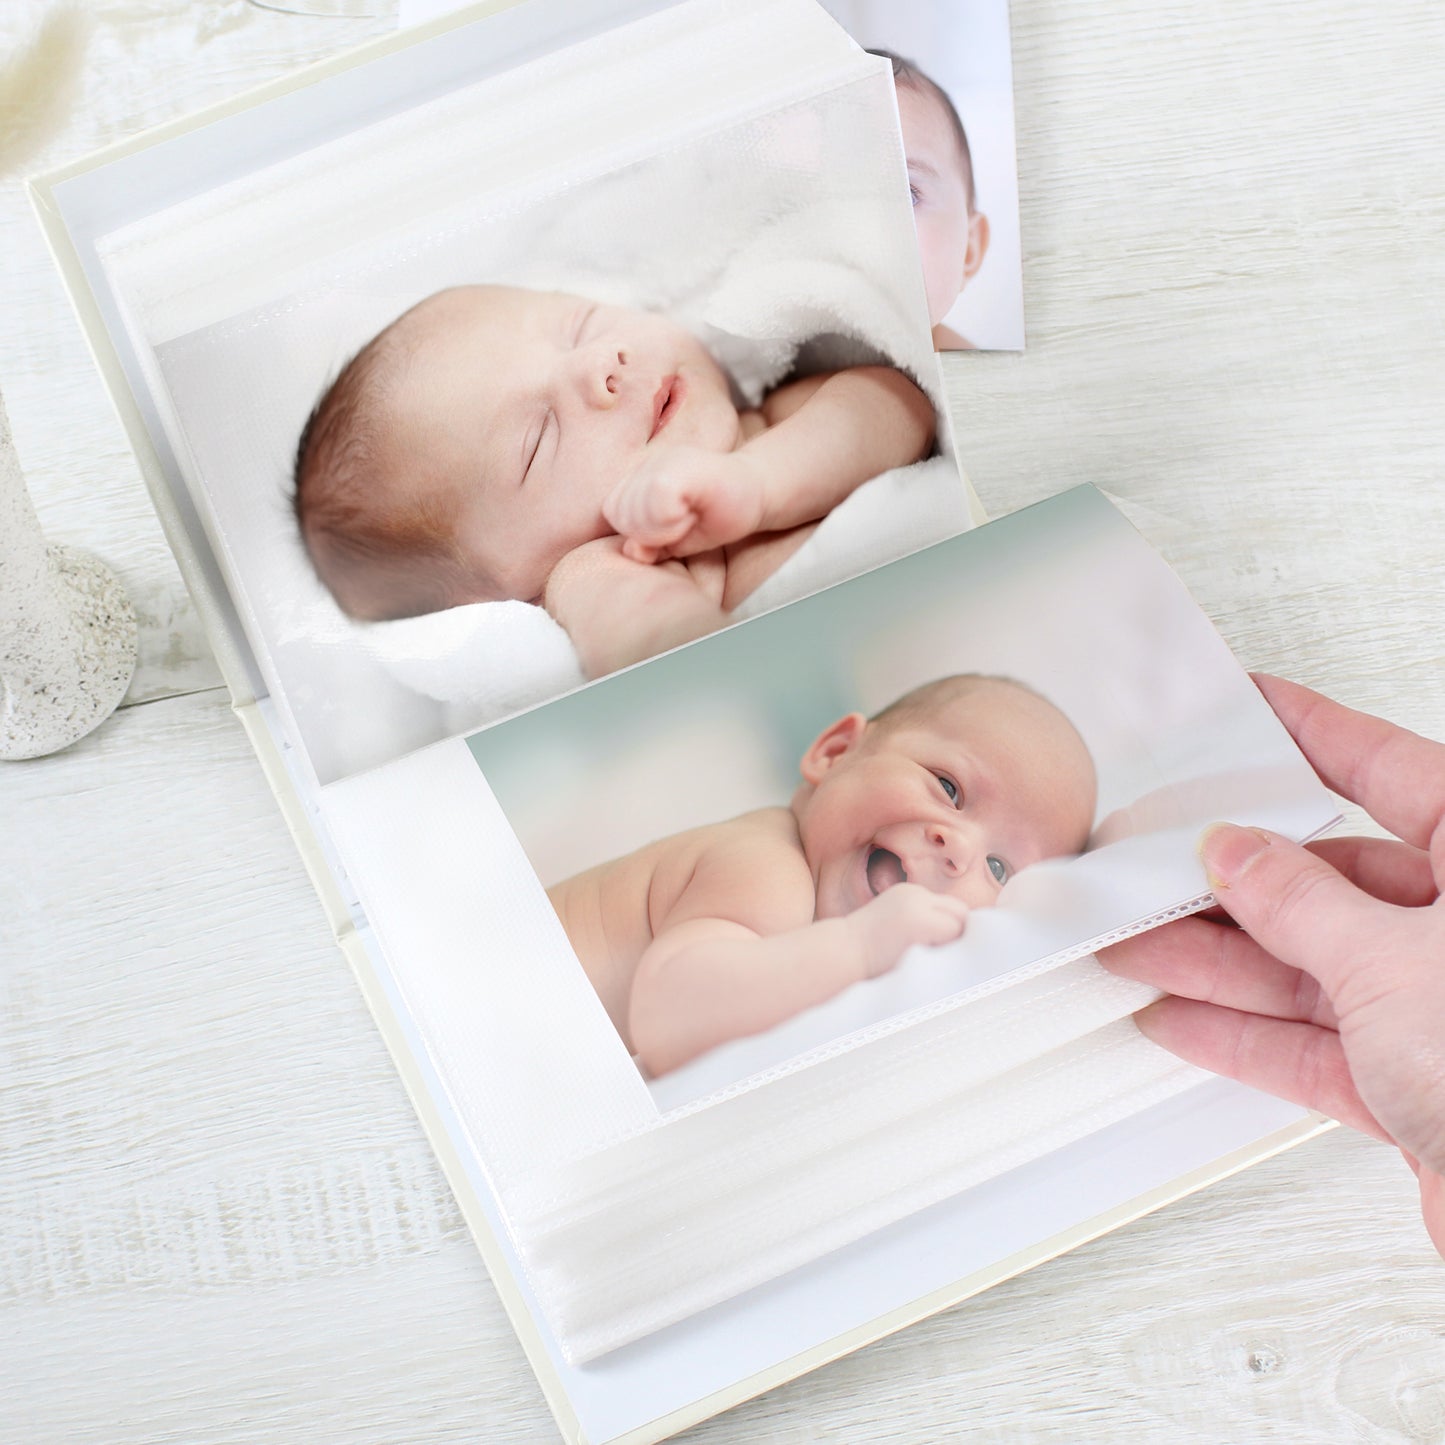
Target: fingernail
x,y
1225,851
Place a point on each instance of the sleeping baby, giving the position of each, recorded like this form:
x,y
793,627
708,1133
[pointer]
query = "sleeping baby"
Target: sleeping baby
x,y
498,443
902,824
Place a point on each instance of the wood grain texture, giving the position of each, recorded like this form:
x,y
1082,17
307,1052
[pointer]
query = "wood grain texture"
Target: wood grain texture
x,y
1235,294
219,1219
1212,1321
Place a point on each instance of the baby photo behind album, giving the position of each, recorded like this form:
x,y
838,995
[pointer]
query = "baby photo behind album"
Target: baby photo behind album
x,y
953,73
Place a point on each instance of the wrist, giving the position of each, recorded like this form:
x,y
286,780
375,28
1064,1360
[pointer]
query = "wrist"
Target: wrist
x,y
749,484
858,947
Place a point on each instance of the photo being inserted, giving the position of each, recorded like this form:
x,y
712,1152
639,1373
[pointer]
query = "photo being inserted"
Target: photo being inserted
x,y
974,760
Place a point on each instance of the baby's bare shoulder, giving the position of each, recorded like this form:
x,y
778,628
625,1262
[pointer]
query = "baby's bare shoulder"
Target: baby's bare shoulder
x,y
749,869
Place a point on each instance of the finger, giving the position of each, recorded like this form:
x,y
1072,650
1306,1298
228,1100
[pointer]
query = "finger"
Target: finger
x,y
1391,871
665,531
614,506
1295,905
691,544
693,537
1432,1206
941,930
1397,776
1296,1061
639,551
1217,964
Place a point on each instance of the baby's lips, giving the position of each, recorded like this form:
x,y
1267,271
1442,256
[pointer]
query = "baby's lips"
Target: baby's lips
x,y
665,402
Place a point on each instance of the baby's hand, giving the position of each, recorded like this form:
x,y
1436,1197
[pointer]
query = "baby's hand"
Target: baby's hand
x,y
904,915
682,500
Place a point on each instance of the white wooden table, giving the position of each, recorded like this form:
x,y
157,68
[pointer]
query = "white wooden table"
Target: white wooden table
x,y
219,1219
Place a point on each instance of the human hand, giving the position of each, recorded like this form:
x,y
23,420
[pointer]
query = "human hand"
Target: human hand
x,y
580,576
617,612
1331,992
902,916
683,500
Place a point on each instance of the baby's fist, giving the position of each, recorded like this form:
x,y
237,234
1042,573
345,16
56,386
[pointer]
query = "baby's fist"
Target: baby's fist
x,y
682,500
905,915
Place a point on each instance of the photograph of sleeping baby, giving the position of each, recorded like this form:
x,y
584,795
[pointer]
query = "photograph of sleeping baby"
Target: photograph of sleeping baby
x,y
497,443
982,758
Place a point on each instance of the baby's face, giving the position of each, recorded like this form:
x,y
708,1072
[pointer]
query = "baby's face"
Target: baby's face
x,y
952,239
958,799
522,410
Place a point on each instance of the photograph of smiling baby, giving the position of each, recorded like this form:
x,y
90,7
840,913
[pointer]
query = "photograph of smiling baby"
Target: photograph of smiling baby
x,y
499,443
855,811
902,824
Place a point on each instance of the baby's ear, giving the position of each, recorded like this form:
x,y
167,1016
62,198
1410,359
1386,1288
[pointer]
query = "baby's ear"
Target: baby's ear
x,y
977,247
831,744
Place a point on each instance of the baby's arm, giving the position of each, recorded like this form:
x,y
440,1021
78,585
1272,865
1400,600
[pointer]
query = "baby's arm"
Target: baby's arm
x,y
826,436
713,974
618,612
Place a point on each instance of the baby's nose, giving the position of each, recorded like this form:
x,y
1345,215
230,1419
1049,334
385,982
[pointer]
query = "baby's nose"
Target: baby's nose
x,y
600,375
949,850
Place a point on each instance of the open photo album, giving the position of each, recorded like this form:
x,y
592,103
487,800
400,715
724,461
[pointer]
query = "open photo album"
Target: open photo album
x,y
719,819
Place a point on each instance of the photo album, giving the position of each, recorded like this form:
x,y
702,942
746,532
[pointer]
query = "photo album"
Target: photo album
x,y
719,815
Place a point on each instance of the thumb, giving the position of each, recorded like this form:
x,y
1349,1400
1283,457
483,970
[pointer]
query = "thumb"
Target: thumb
x,y
1432,1205
1291,902
611,503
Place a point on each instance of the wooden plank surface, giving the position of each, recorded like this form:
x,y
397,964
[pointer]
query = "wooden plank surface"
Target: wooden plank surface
x,y
219,1220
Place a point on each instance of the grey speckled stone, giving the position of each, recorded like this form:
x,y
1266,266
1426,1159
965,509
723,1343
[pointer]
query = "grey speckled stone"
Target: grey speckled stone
x,y
67,629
